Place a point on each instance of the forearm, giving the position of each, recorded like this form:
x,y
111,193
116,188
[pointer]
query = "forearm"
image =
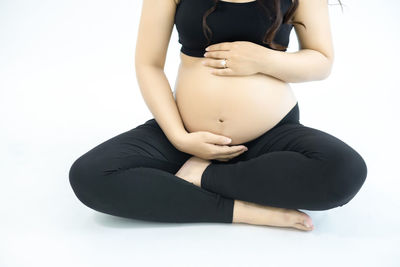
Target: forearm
x,y
294,67
157,94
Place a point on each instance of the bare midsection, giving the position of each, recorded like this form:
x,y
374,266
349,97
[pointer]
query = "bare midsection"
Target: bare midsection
x,y
239,107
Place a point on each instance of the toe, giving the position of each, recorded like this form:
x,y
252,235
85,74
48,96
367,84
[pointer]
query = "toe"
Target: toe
x,y
304,219
301,226
307,222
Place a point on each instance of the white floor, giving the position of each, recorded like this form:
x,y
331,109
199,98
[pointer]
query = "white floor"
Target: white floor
x,y
67,83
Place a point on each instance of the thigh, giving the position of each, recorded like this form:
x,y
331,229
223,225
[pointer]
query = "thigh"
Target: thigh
x,y
310,142
287,162
143,146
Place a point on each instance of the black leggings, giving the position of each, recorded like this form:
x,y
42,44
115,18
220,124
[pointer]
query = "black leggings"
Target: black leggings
x,y
290,166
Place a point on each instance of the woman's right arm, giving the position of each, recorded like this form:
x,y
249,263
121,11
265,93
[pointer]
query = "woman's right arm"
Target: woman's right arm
x,y
155,28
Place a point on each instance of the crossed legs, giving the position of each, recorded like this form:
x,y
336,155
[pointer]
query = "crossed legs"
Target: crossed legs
x,y
292,166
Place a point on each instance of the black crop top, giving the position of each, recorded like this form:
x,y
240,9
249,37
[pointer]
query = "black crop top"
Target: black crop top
x,y
246,21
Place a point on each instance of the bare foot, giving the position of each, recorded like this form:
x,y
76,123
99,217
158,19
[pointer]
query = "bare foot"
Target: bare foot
x,y
252,213
192,170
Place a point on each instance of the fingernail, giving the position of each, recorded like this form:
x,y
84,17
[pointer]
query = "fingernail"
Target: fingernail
x,y
245,149
228,140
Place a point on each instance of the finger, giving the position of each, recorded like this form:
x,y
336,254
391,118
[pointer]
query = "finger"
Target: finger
x,y
216,139
216,54
223,72
224,151
217,63
237,153
233,155
221,159
219,46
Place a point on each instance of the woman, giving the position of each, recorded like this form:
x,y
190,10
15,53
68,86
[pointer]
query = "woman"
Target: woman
x,y
228,146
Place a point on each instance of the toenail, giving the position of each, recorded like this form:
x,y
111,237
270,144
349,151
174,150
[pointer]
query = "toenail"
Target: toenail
x,y
306,223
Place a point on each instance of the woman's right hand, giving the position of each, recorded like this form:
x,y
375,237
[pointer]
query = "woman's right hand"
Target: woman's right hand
x,y
207,145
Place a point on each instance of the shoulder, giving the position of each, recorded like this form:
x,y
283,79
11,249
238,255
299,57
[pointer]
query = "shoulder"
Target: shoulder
x,y
309,7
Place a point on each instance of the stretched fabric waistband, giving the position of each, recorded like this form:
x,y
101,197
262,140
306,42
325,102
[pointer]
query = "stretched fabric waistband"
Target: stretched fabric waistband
x,y
293,116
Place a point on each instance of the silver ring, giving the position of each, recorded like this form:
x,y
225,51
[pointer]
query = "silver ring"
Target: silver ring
x,y
224,63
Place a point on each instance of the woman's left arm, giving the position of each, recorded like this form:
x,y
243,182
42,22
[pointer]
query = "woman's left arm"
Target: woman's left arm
x,y
314,60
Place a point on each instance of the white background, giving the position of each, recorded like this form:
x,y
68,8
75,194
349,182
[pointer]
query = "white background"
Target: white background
x,y
68,82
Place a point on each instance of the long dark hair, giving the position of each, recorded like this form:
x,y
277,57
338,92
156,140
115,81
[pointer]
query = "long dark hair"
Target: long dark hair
x,y
270,33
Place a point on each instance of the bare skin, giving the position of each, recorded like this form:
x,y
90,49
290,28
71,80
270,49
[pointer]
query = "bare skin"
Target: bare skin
x,y
242,101
227,99
247,212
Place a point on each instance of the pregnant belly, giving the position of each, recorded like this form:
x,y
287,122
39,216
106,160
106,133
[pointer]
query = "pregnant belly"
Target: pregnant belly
x,y
239,107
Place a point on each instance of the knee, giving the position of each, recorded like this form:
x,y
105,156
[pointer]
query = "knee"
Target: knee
x,y
77,173
346,173
82,174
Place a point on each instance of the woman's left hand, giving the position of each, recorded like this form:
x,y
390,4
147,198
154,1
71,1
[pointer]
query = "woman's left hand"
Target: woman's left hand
x,y
241,58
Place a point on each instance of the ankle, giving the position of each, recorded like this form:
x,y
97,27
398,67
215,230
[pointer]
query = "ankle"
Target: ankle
x,y
238,211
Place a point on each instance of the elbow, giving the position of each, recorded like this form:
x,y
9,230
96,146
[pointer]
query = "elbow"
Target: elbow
x,y
321,72
326,72
142,68
146,64
319,69
144,61
325,69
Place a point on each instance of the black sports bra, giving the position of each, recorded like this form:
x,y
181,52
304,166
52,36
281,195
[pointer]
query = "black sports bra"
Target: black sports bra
x,y
246,21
